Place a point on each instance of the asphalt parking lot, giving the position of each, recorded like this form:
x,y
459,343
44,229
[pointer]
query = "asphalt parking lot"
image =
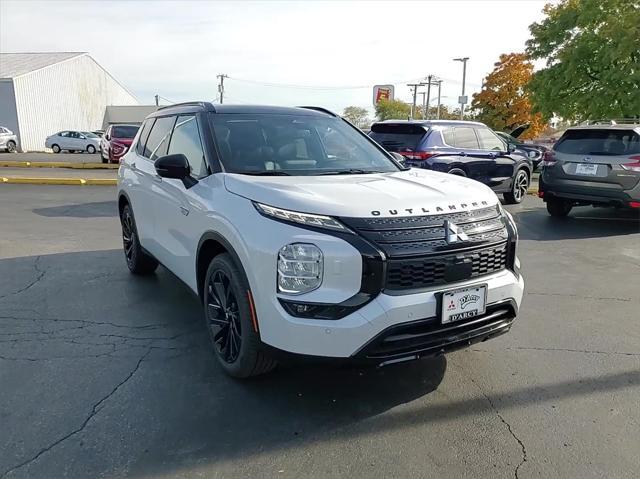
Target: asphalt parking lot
x,y
107,375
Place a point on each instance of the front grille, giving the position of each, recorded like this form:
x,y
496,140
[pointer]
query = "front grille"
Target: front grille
x,y
405,274
404,236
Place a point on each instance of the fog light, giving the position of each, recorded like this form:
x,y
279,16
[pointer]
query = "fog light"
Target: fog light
x,y
300,268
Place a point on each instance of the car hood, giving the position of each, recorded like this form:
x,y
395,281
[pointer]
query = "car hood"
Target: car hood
x,y
404,193
123,141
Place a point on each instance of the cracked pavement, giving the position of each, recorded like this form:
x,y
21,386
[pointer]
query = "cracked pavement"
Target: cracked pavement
x,y
103,374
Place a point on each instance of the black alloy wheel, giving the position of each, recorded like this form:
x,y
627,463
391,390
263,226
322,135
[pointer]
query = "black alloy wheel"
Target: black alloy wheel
x,y
138,261
223,316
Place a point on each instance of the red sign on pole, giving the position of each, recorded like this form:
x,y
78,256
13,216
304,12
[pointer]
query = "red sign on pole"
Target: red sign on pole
x,y
382,92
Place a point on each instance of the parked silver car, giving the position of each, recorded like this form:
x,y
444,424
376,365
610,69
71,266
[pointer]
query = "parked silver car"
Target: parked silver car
x,y
8,140
73,141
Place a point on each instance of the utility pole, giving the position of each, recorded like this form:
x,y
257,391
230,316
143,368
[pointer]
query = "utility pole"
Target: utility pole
x,y
423,104
415,95
222,76
439,90
157,100
426,112
463,99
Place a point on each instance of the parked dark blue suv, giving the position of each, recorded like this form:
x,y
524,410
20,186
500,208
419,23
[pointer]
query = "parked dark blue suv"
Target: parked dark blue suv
x,y
465,148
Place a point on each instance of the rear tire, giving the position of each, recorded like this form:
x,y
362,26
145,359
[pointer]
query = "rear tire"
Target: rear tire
x,y
138,261
11,146
518,188
229,317
558,208
55,148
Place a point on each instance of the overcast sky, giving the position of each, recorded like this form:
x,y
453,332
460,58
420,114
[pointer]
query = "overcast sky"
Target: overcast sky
x,y
176,49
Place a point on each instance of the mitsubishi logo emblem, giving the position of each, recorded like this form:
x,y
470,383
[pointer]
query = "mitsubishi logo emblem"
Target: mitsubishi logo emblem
x,y
452,233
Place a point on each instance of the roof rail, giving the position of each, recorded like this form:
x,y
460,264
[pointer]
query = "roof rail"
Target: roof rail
x,y
203,104
612,121
320,109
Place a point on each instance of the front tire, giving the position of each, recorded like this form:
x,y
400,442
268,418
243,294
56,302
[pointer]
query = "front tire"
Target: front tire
x,y
11,147
231,320
558,207
138,261
55,148
91,149
519,188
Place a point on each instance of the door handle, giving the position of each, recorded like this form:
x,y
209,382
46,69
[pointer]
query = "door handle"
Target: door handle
x,y
133,165
157,179
184,211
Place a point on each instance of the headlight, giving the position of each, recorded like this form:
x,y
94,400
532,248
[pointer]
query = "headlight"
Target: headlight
x,y
300,268
308,219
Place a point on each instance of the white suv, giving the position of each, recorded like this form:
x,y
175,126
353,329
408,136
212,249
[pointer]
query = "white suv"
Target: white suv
x,y
302,235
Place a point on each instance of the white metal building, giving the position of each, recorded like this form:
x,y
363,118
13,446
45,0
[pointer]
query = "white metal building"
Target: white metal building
x,y
43,93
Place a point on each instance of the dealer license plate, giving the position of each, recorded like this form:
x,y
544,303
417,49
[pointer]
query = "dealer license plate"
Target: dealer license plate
x,y
463,303
586,169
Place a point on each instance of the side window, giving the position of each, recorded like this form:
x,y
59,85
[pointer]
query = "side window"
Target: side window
x,y
449,137
466,138
74,134
186,140
158,141
64,134
144,135
489,140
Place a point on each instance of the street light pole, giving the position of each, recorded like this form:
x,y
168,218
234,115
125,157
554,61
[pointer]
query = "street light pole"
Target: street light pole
x,y
463,100
423,104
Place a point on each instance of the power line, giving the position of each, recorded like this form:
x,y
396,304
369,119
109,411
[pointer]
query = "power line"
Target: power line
x,y
314,87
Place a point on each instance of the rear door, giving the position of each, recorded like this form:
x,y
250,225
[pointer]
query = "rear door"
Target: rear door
x,y
148,181
598,155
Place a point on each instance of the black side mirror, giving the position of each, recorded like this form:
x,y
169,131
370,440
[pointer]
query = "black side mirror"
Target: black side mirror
x,y
176,167
511,147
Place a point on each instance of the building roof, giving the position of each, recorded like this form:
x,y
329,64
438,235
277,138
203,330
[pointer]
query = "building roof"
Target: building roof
x,y
126,114
13,65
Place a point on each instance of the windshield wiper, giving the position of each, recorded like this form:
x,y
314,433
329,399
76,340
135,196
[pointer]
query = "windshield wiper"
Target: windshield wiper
x,y
265,173
350,171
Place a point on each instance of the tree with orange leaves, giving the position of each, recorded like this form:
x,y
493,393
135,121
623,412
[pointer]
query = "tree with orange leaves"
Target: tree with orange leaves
x,y
503,103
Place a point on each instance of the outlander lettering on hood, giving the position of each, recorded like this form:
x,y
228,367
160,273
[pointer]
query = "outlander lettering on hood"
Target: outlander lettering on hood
x,y
436,209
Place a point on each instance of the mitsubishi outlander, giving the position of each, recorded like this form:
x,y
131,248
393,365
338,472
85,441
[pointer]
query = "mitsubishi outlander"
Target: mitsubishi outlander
x,y
302,236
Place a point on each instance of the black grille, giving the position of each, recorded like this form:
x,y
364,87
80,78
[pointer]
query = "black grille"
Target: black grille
x,y
405,274
404,236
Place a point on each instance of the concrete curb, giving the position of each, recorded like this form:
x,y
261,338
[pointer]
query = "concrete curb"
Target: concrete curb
x,y
59,181
58,164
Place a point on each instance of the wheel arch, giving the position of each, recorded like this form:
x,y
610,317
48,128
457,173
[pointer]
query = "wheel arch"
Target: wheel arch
x,y
123,199
212,244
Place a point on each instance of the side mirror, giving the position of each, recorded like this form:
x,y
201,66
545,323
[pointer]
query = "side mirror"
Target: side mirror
x,y
82,137
175,166
399,158
107,137
511,147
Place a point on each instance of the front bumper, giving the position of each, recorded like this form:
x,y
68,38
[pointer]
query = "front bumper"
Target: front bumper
x,y
360,334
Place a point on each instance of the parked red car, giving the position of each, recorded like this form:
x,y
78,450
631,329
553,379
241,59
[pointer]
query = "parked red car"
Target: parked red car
x,y
116,142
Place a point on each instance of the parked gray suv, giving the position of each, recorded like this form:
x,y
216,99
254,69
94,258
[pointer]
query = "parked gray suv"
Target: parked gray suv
x,y
596,164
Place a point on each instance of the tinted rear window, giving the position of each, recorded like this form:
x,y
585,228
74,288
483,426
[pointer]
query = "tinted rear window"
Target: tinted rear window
x,y
398,137
124,131
599,142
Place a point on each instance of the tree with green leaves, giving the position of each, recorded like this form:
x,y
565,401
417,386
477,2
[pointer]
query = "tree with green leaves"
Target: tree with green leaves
x,y
592,53
392,110
357,115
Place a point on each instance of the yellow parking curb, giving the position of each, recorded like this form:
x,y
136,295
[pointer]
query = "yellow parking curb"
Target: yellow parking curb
x,y
58,164
59,181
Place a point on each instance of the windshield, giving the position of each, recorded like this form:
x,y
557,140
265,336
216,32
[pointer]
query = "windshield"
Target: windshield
x,y
398,137
124,131
275,144
599,142
88,134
